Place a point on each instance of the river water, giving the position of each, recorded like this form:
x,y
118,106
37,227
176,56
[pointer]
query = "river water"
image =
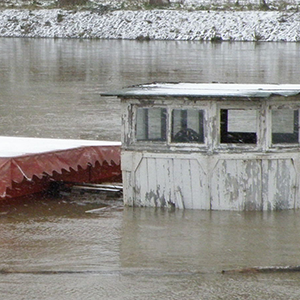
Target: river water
x,y
64,249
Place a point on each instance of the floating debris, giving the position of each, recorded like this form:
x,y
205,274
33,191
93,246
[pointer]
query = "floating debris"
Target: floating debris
x,y
106,190
99,187
105,208
282,269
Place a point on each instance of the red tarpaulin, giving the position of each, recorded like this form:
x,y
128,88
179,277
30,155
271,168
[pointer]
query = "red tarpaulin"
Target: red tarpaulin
x,y
84,163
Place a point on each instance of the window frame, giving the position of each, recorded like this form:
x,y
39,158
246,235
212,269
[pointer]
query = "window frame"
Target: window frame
x,y
164,125
168,128
232,145
184,125
283,144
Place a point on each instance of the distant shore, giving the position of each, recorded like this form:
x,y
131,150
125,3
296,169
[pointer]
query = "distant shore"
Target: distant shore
x,y
156,24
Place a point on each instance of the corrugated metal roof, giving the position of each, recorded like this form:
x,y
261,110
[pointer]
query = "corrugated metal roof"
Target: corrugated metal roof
x,y
207,90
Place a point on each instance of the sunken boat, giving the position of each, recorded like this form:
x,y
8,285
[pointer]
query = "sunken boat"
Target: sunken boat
x,y
211,146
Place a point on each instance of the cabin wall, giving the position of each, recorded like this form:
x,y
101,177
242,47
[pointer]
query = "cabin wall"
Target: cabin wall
x,y
212,175
224,182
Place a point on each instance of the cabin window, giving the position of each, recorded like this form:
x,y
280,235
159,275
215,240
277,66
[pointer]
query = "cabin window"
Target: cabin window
x,y
187,126
238,126
151,124
285,126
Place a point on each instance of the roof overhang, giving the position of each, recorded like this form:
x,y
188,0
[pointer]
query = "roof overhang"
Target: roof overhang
x,y
206,90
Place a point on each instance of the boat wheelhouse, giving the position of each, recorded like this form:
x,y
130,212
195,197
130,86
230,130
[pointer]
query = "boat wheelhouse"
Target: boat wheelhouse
x,y
211,146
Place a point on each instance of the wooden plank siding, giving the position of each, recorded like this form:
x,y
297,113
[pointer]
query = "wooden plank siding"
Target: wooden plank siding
x,y
236,185
280,182
213,173
232,184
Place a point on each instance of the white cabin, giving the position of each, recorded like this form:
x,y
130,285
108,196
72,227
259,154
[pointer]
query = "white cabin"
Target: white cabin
x,y
211,146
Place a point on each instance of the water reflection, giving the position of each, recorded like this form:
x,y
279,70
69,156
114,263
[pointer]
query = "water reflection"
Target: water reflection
x,y
51,87
144,253
208,241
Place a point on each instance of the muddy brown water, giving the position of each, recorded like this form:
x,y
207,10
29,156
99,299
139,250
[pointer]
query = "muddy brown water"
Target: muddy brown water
x,y
54,248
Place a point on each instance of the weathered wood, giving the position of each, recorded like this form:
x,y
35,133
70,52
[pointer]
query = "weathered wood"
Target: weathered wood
x,y
239,184
199,184
231,175
140,184
98,188
117,186
164,175
101,209
129,195
281,180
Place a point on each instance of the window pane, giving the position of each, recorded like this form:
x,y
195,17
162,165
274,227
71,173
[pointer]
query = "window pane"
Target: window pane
x,y
187,126
238,126
284,126
241,120
141,128
151,124
154,124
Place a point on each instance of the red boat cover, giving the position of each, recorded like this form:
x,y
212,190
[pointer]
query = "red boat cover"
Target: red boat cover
x,y
15,169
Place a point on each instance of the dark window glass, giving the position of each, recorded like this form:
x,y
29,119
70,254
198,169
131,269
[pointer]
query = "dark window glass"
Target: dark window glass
x,y
187,126
151,124
285,126
238,126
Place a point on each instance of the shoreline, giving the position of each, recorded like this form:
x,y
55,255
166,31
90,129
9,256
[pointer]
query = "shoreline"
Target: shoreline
x,y
156,24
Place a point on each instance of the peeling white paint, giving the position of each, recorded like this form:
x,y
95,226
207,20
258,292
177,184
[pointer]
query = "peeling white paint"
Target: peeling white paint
x,y
212,175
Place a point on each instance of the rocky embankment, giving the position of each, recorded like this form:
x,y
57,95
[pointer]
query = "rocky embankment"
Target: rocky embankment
x,y
157,24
